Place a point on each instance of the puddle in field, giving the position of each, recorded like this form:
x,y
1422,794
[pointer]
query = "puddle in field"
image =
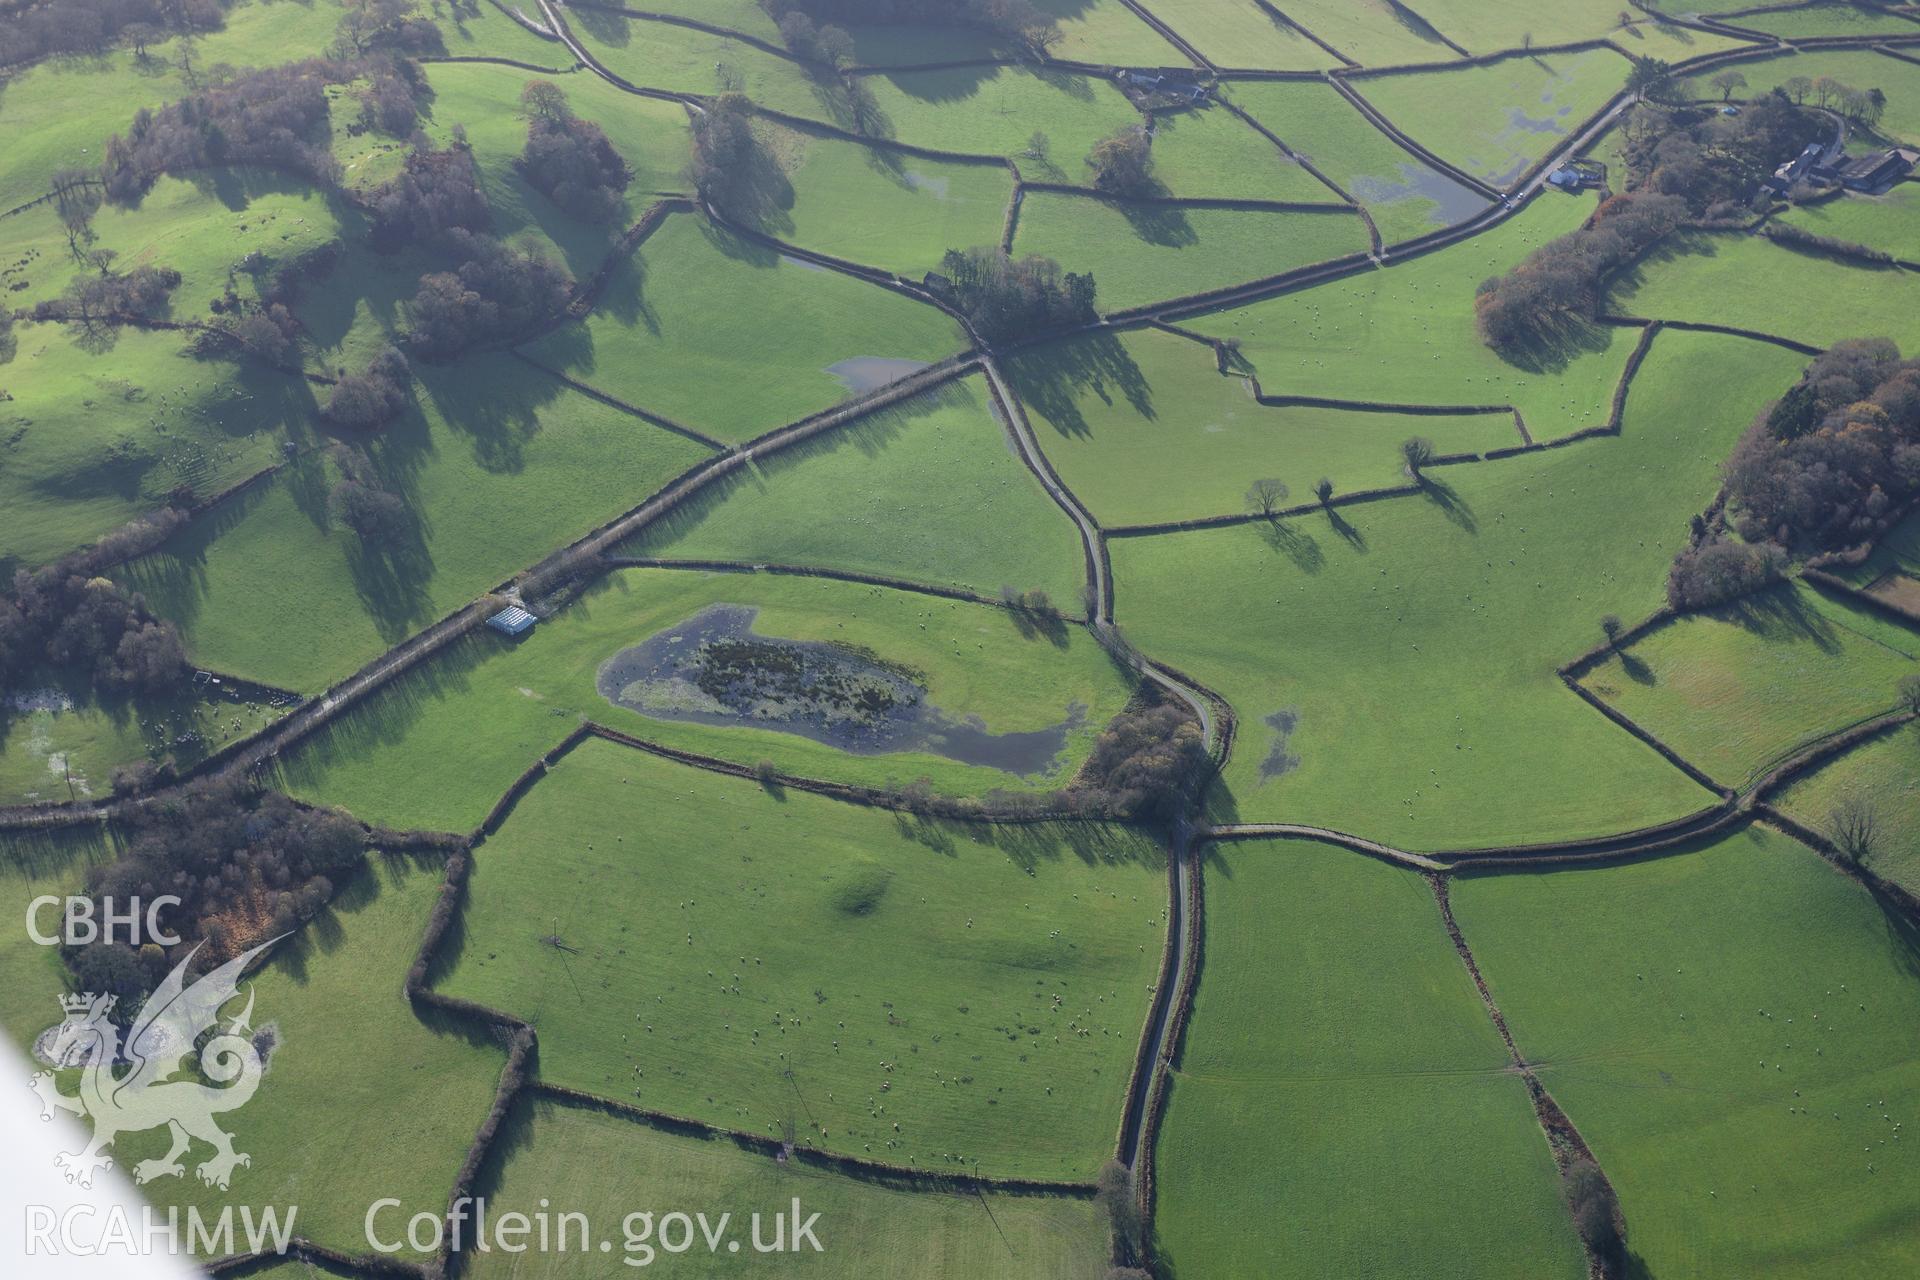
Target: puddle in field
x,y
1452,202
801,263
714,669
1280,761
932,185
861,374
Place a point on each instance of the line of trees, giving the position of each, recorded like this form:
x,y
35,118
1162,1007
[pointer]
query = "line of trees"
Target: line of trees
x,y
1561,284
1006,297
725,151
570,160
36,28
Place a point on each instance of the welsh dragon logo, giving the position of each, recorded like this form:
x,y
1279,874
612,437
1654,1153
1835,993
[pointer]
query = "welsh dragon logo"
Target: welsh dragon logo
x,y
129,1090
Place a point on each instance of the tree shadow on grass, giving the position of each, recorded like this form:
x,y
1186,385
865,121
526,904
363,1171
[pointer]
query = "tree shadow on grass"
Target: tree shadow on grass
x,y
1159,224
1456,508
1552,348
1346,529
1779,613
606,26
1294,543
1051,379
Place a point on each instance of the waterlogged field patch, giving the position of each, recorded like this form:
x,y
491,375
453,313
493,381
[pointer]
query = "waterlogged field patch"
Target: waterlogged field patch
x,y
1731,1031
944,996
714,669
412,755
1497,120
1404,195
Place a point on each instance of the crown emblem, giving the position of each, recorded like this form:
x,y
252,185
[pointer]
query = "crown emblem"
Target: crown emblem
x,y
83,1002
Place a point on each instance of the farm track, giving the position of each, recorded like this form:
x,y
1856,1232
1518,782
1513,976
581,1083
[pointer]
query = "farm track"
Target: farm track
x,y
1161,1036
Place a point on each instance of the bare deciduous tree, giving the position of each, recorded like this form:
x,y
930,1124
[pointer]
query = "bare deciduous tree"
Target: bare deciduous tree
x,y
1266,497
1854,828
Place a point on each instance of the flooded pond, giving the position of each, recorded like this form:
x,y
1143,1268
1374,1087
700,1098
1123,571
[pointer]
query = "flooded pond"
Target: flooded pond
x,y
713,669
861,374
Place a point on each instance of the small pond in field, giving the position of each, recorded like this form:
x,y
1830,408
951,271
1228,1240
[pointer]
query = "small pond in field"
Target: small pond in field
x,y
714,669
861,374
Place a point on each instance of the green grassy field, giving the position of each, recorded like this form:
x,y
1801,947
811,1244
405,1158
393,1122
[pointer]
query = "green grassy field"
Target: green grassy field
x,y
1147,253
1737,690
996,111
661,55
981,989
732,339
1890,223
1739,280
1826,20
1496,121
98,434
1405,335
929,490
34,864
409,757
411,1092
1213,153
878,207
1488,26
1371,32
1405,197
1885,775
498,466
83,740
1334,1020
1730,1031
1393,674
354,1072
1859,68
1241,35
1144,429
1106,31
867,1228
735,15
483,100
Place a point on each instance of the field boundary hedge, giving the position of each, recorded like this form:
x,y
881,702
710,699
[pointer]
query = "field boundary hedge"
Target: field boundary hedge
x,y
1172,1037
1855,595
1274,12
1406,142
1192,202
1168,34
612,401
1889,893
1563,1139
809,571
